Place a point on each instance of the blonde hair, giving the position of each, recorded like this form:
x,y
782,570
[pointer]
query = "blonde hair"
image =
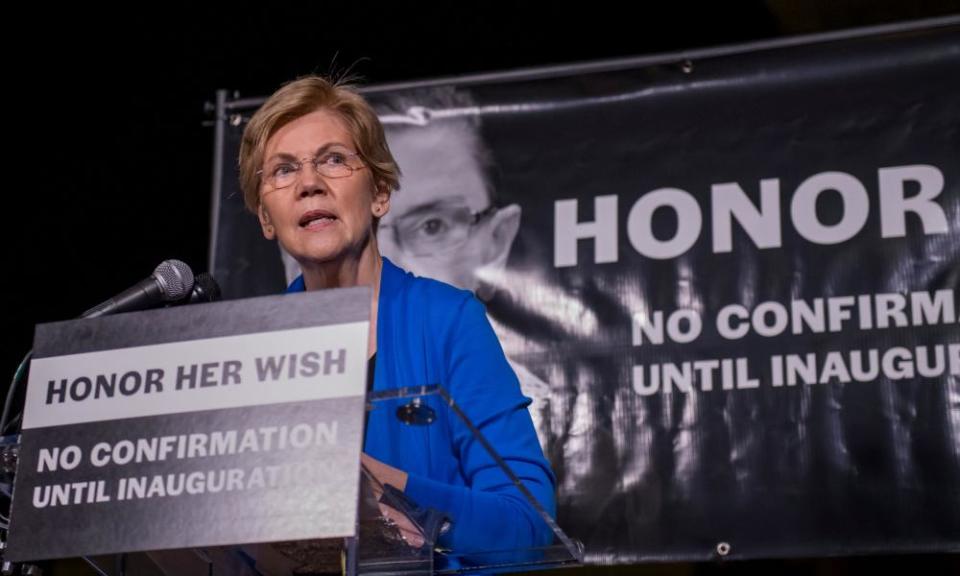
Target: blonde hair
x,y
299,98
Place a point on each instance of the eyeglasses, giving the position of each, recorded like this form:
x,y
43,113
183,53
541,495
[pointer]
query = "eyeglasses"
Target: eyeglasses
x,y
435,230
331,164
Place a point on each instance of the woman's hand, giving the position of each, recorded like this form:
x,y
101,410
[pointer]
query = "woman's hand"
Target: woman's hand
x,y
386,474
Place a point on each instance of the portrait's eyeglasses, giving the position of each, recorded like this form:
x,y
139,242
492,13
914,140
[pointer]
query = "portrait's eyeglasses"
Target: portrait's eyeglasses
x,y
435,230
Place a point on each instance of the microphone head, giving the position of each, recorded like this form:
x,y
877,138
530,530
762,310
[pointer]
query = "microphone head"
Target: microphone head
x,y
205,289
174,278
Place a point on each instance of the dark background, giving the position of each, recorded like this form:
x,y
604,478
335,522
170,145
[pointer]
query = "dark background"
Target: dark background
x,y
109,147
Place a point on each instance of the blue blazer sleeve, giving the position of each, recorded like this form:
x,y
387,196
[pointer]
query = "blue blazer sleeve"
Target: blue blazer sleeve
x,y
489,512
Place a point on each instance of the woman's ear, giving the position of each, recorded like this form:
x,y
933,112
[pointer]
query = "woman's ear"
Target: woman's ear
x,y
381,200
266,225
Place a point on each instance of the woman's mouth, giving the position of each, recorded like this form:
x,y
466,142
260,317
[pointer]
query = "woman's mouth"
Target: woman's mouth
x,y
316,219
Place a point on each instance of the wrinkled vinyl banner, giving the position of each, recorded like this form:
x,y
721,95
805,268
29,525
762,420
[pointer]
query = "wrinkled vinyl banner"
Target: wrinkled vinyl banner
x,y
728,284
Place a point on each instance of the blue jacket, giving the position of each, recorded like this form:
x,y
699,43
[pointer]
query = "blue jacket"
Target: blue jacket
x,y
431,333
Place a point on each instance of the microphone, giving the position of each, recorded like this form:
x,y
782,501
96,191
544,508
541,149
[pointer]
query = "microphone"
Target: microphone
x,y
172,280
205,289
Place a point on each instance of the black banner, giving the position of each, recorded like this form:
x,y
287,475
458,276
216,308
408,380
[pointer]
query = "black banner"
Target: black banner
x,y
729,284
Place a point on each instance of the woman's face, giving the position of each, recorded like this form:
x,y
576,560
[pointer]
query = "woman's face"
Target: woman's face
x,y
319,218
